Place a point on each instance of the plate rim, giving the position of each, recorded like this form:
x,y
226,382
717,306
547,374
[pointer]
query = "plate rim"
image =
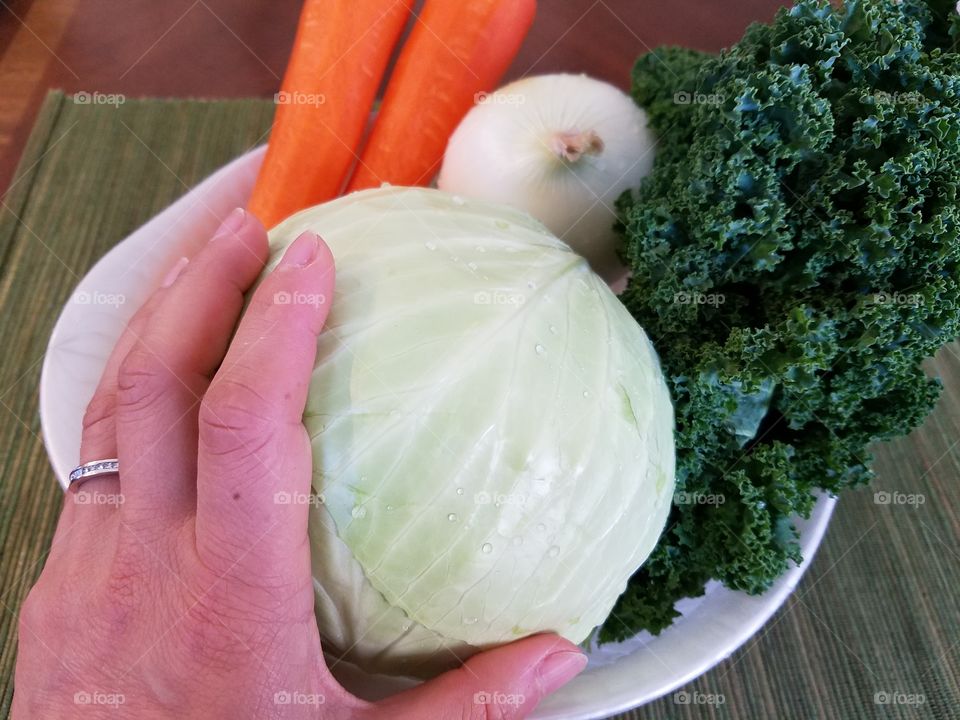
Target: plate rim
x,y
603,703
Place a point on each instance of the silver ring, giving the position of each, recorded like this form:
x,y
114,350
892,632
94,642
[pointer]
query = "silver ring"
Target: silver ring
x,y
93,469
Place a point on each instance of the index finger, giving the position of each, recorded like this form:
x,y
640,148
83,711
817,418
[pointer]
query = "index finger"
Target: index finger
x,y
253,447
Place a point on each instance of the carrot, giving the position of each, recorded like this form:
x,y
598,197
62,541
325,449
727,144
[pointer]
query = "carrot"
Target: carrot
x,y
339,56
457,49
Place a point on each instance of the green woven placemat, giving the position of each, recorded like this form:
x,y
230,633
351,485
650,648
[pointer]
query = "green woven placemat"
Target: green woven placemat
x,y
872,629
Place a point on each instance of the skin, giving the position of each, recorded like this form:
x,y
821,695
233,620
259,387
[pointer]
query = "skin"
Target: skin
x,y
180,589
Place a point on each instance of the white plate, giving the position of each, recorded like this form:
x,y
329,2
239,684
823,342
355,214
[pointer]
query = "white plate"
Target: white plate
x,y
619,676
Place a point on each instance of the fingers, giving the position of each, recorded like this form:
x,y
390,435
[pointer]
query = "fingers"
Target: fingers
x,y
507,682
253,445
99,434
162,378
99,439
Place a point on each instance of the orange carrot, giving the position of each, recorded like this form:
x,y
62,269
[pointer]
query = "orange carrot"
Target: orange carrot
x,y
457,49
339,56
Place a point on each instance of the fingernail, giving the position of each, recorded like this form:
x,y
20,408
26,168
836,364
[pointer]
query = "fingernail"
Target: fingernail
x,y
231,223
302,251
174,272
558,669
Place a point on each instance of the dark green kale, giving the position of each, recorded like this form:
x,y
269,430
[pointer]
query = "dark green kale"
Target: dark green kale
x,y
795,257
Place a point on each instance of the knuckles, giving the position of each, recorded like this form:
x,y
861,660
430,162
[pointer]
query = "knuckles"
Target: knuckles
x,y
237,424
99,412
33,614
48,610
125,591
224,629
142,380
205,636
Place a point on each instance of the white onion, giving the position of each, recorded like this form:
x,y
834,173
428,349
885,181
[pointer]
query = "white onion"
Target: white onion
x,y
561,147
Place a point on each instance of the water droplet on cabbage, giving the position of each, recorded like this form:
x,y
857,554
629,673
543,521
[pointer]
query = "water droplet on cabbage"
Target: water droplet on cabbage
x,y
453,439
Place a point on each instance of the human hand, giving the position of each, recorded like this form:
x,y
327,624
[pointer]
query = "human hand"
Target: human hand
x,y
179,588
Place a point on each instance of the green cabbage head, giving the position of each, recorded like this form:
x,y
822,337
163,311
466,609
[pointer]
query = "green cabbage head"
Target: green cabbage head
x,y
492,435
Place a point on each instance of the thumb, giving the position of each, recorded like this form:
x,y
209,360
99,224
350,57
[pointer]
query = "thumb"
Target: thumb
x,y
504,683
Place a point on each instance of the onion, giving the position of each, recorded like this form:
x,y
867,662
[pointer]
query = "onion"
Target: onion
x,y
561,147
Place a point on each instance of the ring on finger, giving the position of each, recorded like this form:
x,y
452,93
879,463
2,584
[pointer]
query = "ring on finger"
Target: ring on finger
x,y
96,468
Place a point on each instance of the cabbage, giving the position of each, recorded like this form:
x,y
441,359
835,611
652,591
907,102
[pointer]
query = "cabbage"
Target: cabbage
x,y
492,435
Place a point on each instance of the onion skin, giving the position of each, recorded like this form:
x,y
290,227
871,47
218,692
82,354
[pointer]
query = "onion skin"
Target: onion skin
x,y
561,147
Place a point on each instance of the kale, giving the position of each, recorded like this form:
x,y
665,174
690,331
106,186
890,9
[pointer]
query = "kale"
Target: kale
x,y
795,258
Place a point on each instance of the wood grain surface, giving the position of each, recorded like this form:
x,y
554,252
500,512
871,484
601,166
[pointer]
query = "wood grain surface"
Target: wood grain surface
x,y
239,48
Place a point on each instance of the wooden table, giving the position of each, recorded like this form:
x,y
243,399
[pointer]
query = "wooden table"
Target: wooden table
x,y
875,615
238,48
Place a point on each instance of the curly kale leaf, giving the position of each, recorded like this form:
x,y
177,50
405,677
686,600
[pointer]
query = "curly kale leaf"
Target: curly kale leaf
x,y
795,257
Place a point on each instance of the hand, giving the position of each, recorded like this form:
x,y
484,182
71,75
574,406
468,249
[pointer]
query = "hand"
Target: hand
x,y
180,589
